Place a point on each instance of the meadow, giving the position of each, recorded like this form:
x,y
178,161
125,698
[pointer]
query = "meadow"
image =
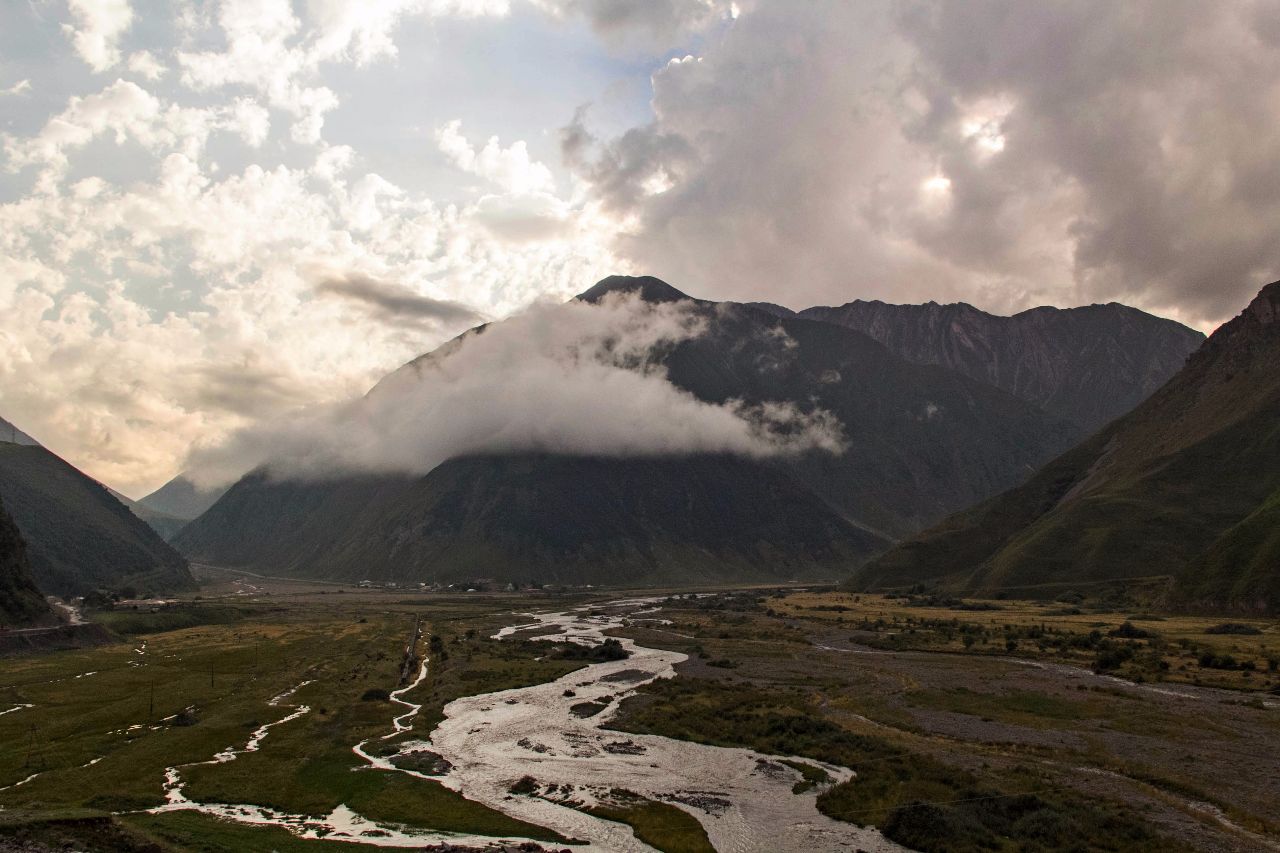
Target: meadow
x,y
970,725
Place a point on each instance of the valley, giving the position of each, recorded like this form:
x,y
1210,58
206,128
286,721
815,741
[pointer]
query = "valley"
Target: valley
x,y
228,722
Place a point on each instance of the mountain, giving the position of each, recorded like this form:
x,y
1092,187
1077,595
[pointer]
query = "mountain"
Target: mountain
x,y
165,525
554,519
1187,485
922,441
20,601
180,499
1088,365
78,536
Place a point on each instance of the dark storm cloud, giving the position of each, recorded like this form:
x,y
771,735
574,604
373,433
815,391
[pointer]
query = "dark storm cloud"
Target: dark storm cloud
x,y
395,303
1005,153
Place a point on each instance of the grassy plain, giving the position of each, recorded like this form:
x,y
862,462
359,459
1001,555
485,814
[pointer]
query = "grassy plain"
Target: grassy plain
x,y
969,728
106,722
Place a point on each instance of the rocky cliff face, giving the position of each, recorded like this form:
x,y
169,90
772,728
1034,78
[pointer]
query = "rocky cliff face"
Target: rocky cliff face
x,y
1088,365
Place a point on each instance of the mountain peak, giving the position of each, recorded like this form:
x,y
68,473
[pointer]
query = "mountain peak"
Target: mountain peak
x,y
1265,307
650,289
1257,323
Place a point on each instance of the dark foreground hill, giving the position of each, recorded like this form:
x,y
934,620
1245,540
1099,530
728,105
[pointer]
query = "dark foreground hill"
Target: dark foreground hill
x,y
1088,365
1187,485
79,537
922,441
20,601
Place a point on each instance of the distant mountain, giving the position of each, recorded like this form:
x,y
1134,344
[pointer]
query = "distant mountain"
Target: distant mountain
x,y
923,441
1088,365
165,525
21,603
78,535
1187,485
181,499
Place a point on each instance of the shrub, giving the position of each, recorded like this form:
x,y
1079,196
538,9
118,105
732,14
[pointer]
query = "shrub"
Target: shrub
x,y
1233,628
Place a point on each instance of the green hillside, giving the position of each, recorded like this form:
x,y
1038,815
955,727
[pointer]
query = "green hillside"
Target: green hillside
x,y
20,602
1181,487
1241,568
78,536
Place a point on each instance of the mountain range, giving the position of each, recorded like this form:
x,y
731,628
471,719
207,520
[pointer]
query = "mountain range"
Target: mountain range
x,y
1186,486
1088,365
923,440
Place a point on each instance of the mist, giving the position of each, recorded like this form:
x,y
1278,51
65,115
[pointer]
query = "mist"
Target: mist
x,y
574,378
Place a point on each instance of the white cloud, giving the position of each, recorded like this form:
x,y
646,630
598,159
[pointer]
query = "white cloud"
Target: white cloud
x,y
269,49
123,390
572,378
144,64
124,111
97,30
22,87
361,30
511,168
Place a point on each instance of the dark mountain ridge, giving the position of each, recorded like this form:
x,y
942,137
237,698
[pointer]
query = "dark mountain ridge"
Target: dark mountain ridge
x,y
1187,485
1088,365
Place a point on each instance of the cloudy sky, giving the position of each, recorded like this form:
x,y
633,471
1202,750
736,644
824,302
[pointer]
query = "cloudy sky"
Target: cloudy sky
x,y
215,214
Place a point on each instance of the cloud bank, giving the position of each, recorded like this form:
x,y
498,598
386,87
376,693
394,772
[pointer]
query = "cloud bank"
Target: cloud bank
x,y
575,378
997,151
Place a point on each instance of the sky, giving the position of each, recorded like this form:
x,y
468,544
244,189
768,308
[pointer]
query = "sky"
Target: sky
x,y
217,215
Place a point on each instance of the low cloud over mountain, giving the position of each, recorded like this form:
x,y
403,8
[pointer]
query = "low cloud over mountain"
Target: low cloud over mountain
x,y
577,378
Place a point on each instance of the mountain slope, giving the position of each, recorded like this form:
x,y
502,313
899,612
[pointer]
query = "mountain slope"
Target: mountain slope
x,y
1088,365
1183,486
78,536
922,441
20,602
555,519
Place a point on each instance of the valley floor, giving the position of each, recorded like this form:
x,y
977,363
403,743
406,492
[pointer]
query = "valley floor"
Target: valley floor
x,y
966,728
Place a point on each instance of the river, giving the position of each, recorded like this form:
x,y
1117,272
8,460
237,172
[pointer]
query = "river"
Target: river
x,y
743,799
